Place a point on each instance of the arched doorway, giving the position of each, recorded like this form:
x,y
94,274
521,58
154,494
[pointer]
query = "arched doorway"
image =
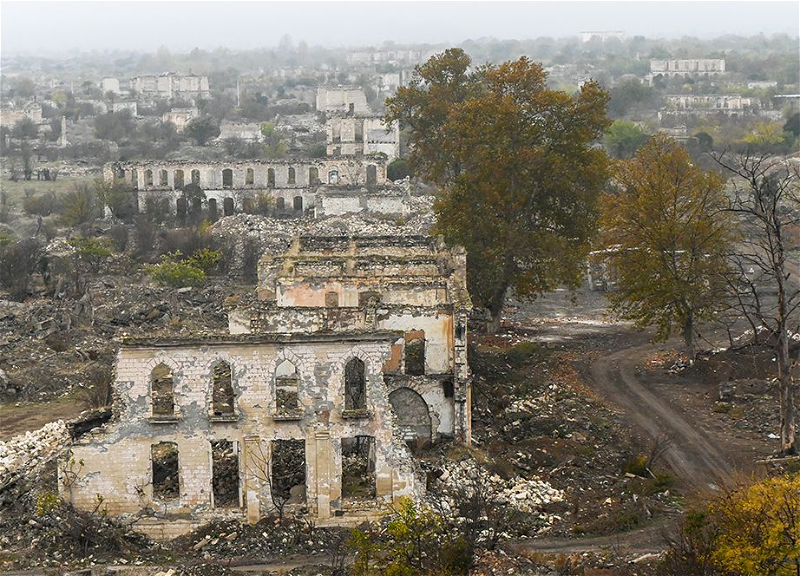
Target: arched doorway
x,y
412,415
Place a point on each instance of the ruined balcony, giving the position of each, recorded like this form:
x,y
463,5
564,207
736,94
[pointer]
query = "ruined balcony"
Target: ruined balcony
x,y
356,414
164,418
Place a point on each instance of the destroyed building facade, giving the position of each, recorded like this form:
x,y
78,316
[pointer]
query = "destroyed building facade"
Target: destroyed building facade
x,y
361,134
292,184
356,347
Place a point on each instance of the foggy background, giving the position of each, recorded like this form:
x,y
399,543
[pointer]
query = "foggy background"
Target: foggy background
x,y
58,27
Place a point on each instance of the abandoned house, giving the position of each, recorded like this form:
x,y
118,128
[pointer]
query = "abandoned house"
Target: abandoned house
x,y
361,134
227,186
354,353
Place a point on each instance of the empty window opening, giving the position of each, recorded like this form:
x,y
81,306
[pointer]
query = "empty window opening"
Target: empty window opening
x,y
372,175
148,177
249,176
135,179
271,178
286,389
292,176
415,353
212,210
166,482
197,206
288,474
331,299
227,206
280,205
333,177
369,299
161,391
298,203
222,395
224,473
413,417
180,208
196,177
313,176
358,468
460,331
448,388
227,178
355,385
163,178
178,179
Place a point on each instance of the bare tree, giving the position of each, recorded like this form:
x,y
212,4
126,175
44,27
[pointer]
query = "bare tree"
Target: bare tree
x,y
766,199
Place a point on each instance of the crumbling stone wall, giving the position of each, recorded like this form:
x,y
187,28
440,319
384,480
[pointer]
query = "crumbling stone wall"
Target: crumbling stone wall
x,y
117,460
413,285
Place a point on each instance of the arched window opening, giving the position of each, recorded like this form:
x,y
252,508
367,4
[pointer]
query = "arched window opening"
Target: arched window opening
x,y
298,203
178,179
287,401
162,394
291,176
227,206
271,178
212,210
227,178
280,204
313,176
249,176
372,175
148,177
333,177
355,385
196,177
163,178
222,391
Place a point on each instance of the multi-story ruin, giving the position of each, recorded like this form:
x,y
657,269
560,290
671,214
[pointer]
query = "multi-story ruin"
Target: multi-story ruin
x,y
342,99
171,85
292,184
361,134
356,347
690,67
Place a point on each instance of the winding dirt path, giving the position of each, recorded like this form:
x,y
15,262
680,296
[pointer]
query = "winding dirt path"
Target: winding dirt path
x,y
693,454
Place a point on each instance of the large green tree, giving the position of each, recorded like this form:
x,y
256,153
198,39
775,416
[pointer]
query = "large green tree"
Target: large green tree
x,y
515,162
669,231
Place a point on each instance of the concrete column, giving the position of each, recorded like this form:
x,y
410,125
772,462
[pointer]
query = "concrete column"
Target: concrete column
x,y
324,459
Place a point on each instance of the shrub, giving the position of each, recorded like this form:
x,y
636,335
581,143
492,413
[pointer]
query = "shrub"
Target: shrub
x,y
91,252
175,272
398,169
119,236
18,262
79,206
637,465
40,205
205,259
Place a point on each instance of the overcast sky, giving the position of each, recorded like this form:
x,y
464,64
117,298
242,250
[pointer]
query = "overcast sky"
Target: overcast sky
x,y
56,27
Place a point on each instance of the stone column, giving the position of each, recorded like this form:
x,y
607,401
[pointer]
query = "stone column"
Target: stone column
x,y
253,469
324,459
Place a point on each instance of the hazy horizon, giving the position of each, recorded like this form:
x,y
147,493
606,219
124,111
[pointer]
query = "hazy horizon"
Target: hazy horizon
x,y
48,28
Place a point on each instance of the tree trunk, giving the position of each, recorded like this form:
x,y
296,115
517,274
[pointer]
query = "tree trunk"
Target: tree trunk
x,y
688,335
496,310
786,391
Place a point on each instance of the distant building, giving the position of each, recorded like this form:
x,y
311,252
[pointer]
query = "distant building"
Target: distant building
x,y
342,99
129,105
171,85
180,117
386,57
709,102
10,116
602,35
244,131
693,67
357,134
110,85
762,85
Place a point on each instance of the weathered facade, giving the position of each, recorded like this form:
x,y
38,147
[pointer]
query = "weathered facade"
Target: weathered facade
x,y
687,67
171,85
355,348
361,134
413,284
342,99
291,184
248,394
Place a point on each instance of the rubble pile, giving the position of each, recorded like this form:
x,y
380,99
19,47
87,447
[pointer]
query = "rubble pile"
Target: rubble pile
x,y
26,451
524,495
269,538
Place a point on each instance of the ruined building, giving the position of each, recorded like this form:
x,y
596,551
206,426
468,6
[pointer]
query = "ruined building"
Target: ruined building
x,y
292,184
356,347
171,85
342,99
361,134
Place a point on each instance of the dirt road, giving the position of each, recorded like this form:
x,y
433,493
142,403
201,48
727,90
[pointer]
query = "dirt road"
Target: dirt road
x,y
693,454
